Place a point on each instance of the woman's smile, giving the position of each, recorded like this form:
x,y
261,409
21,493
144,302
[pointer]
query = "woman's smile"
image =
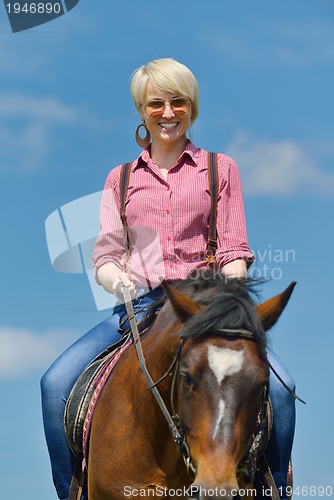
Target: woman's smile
x,y
169,126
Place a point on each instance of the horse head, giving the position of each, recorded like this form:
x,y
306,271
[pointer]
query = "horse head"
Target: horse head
x,y
224,374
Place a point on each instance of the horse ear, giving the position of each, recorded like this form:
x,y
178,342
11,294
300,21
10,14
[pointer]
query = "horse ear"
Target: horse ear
x,y
270,311
183,306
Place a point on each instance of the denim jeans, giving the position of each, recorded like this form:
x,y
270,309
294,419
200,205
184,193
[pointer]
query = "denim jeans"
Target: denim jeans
x,y
57,382
279,448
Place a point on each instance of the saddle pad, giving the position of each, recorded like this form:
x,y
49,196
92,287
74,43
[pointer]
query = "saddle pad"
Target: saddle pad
x,y
84,396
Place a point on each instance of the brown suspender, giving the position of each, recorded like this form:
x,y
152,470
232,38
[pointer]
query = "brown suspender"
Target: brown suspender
x,y
211,245
124,183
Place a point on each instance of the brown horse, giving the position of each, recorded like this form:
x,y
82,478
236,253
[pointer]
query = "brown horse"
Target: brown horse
x,y
222,374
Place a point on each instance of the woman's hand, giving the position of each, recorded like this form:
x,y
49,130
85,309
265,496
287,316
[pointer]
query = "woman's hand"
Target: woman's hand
x,y
235,269
109,275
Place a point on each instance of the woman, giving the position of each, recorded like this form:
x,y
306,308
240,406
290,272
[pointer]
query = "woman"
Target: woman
x,y
168,206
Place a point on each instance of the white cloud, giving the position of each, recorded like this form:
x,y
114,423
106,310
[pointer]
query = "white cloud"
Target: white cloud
x,y
304,44
291,44
28,126
279,168
42,108
24,149
21,60
23,351
25,131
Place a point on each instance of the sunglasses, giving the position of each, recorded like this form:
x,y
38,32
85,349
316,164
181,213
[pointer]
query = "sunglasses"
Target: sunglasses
x,y
179,106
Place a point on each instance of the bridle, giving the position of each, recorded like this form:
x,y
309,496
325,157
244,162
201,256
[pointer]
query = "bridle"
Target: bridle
x,y
247,466
173,419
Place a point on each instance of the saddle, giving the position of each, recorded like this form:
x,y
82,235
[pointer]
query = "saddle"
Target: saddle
x,y
87,389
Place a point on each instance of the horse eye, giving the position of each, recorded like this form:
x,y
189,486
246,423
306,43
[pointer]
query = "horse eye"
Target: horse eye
x,y
187,379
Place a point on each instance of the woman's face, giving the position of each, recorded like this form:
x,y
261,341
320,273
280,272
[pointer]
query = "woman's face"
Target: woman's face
x,y
169,124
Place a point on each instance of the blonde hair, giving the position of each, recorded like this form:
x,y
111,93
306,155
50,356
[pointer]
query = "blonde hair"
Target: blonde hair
x,y
166,75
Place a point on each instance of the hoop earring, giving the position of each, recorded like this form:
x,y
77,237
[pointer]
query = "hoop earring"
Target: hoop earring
x,y
143,142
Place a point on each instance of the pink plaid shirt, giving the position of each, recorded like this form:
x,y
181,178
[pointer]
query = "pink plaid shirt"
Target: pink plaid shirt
x,y
168,219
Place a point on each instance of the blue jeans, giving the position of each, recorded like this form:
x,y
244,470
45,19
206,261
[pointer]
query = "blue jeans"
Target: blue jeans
x,y
279,448
58,381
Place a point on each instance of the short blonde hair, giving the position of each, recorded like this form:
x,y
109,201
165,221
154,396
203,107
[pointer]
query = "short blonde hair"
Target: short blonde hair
x,y
167,75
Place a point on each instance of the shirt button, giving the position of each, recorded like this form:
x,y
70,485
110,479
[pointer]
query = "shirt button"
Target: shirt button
x,y
167,211
168,238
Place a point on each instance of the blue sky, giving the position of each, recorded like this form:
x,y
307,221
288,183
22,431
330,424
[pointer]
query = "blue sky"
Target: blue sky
x,y
265,71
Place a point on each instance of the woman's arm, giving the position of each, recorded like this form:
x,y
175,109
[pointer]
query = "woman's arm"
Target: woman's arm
x,y
109,251
233,253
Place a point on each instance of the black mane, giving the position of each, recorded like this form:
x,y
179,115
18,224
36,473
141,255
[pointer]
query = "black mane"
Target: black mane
x,y
229,304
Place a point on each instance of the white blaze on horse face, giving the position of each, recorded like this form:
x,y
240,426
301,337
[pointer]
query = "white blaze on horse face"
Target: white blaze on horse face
x,y
224,361
221,411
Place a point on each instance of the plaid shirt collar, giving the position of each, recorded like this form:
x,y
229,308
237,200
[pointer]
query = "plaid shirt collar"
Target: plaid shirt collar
x,y
190,151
